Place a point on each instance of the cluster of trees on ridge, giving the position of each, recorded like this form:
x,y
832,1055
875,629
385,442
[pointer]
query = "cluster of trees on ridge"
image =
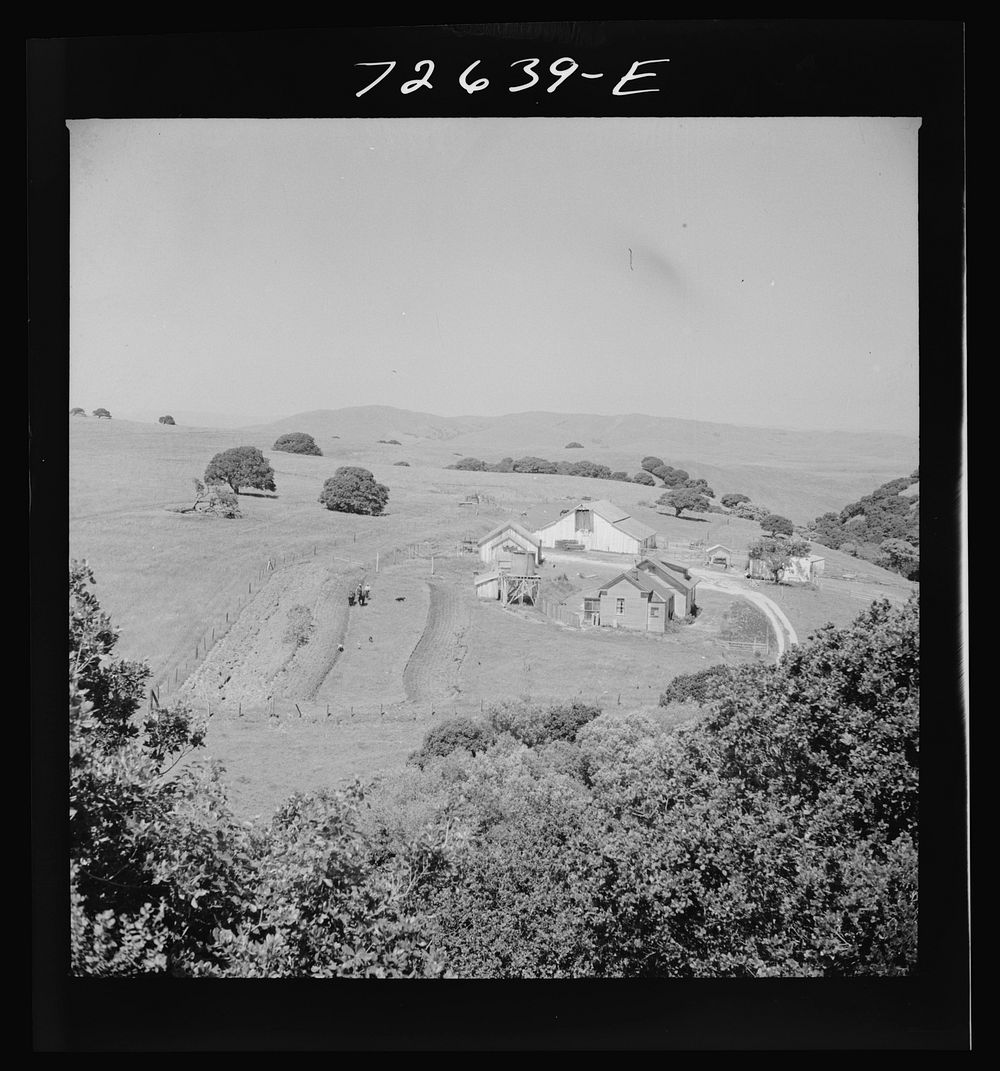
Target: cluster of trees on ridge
x,y
882,527
774,835
100,413
683,492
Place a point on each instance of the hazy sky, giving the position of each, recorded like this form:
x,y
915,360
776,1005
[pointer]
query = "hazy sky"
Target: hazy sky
x,y
752,271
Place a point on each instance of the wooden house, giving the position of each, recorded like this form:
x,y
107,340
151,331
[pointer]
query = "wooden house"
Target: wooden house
x,y
634,600
599,526
676,577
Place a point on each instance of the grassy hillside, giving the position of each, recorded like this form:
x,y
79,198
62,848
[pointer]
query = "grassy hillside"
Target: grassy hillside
x,y
799,474
192,595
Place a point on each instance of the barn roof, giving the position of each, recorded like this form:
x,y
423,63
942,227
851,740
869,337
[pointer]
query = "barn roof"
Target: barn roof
x,y
630,526
608,510
718,546
512,526
613,515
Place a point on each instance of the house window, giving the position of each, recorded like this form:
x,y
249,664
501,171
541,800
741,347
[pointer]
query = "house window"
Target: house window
x,y
654,611
619,606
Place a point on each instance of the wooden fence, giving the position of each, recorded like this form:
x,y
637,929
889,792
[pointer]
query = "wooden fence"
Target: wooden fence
x,y
755,646
557,612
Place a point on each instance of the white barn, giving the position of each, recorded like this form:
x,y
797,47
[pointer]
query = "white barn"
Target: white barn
x,y
600,526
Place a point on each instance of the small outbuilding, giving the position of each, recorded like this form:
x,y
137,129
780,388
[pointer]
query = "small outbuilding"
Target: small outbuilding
x,y
488,585
717,554
507,542
800,570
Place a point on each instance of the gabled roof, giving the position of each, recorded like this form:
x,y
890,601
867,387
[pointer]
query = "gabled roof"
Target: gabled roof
x,y
512,526
718,546
630,526
644,582
675,575
608,510
613,515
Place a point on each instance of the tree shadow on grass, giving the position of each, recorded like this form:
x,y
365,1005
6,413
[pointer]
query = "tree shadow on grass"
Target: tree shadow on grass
x,y
255,494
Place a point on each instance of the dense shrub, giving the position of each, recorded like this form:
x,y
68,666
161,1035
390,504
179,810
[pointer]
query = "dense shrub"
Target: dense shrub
x,y
862,528
623,477
573,446
534,725
102,413
354,490
701,486
77,411
167,420
297,442
451,734
700,687
534,464
729,501
644,478
215,499
406,463
469,464
651,463
671,477
777,525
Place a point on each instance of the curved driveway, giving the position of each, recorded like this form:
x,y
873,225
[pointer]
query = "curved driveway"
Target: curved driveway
x,y
733,584
784,631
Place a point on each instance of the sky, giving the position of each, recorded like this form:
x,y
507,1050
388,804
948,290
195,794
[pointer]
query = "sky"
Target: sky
x,y
754,271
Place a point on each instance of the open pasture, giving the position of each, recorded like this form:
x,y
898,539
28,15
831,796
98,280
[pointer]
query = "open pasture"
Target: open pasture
x,y
208,601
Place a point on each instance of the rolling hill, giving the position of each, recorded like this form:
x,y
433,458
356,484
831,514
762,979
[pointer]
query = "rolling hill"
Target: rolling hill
x,y
800,474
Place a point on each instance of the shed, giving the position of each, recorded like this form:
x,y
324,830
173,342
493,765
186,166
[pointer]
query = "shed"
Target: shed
x,y
500,545
800,570
488,585
600,526
717,554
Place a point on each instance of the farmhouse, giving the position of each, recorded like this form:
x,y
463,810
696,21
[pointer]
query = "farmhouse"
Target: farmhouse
x,y
634,599
600,526
800,570
676,577
506,541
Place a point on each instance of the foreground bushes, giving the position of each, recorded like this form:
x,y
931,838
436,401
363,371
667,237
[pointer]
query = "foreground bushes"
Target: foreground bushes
x,y
775,836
